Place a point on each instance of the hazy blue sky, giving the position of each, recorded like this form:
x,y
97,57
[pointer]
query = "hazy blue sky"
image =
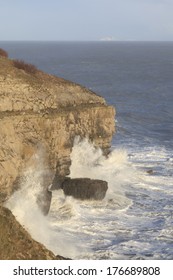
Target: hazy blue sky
x,y
86,19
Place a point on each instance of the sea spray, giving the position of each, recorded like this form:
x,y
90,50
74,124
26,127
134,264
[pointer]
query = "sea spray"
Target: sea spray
x,y
89,161
24,206
74,228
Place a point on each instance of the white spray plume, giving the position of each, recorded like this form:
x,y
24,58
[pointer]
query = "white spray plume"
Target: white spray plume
x,y
89,161
23,204
60,230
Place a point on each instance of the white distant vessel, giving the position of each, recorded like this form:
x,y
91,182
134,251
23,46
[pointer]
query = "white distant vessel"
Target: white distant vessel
x,y
109,38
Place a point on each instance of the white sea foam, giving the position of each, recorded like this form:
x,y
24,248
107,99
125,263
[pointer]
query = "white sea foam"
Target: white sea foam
x,y
23,204
137,208
88,161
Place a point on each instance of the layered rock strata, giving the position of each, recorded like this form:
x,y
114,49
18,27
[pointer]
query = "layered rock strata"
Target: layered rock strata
x,y
40,115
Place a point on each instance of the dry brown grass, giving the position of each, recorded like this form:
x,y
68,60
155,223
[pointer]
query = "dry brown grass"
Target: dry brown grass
x,y
29,68
3,53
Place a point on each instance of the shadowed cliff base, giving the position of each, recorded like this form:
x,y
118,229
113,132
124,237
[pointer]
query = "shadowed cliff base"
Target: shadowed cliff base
x,y
17,244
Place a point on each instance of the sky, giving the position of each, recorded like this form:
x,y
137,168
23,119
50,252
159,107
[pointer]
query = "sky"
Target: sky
x,y
86,20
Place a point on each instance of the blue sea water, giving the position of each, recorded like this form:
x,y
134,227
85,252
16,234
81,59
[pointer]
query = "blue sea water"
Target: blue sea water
x,y
135,221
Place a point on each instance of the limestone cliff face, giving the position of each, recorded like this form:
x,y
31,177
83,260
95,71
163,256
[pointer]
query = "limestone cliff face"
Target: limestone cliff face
x,y
40,112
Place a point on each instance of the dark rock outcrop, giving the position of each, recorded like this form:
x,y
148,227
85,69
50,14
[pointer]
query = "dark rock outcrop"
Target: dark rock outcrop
x,y
57,183
44,201
150,171
85,188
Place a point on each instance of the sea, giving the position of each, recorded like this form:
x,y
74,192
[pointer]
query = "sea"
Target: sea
x,y
135,219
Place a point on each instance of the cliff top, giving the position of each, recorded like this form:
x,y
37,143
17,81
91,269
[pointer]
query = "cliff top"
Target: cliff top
x,y
23,90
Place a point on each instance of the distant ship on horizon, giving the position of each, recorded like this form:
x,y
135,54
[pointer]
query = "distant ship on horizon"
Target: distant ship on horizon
x,y
108,38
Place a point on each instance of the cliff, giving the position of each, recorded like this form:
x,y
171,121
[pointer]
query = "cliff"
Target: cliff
x,y
40,115
42,112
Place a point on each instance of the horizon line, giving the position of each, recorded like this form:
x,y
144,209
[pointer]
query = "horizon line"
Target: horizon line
x,y
85,41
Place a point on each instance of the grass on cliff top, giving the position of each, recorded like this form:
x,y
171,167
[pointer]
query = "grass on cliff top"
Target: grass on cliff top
x,y
27,67
20,64
19,72
26,71
3,53
23,70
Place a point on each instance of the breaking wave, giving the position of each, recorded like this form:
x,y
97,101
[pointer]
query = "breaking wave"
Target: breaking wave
x,y
136,209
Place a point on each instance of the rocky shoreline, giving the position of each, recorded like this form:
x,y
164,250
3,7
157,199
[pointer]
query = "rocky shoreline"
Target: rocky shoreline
x,y
40,115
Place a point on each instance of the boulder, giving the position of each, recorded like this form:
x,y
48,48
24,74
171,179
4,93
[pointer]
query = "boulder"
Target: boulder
x,y
57,183
150,171
85,188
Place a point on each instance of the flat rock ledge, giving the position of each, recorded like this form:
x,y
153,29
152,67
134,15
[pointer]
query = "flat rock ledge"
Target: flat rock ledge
x,y
83,188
